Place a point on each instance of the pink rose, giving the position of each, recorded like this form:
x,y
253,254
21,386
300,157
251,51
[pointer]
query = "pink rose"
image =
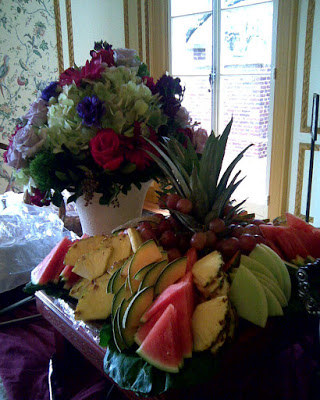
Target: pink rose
x,y
106,150
199,139
37,114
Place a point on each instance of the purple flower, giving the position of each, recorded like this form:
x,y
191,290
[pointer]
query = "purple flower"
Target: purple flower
x,y
91,109
25,143
50,91
37,114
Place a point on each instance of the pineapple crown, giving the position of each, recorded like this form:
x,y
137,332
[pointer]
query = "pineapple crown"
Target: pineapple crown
x,y
197,178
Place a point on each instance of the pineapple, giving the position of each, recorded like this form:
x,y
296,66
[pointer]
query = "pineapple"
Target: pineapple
x,y
198,180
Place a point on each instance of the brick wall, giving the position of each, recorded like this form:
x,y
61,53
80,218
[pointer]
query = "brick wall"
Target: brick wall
x,y
246,97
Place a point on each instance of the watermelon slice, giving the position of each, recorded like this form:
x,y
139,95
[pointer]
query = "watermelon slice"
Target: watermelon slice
x,y
145,328
181,296
295,222
290,243
51,266
162,347
310,241
69,277
192,258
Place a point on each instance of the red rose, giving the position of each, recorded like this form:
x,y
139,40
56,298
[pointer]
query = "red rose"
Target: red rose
x,y
134,148
148,81
105,149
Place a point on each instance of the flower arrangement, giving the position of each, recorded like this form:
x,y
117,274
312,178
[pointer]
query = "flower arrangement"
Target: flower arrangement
x,y
86,132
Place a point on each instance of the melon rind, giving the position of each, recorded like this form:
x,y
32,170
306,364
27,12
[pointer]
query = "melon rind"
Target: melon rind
x,y
155,340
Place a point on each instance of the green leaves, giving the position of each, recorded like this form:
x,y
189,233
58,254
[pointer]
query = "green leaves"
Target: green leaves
x,y
131,372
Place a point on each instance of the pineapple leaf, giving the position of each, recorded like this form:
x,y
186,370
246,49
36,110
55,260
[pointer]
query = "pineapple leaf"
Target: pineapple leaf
x,y
188,221
191,158
166,171
211,161
224,180
222,200
234,210
199,197
176,154
176,173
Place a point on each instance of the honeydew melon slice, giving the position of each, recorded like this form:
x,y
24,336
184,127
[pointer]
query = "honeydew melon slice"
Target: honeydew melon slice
x,y
273,256
123,293
254,265
274,307
275,289
248,297
260,255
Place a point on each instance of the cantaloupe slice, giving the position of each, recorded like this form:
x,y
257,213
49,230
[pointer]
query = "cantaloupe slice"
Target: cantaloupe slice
x,y
248,297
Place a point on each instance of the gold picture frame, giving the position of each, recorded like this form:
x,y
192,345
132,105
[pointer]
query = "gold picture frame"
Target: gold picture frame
x,y
303,147
307,68
58,20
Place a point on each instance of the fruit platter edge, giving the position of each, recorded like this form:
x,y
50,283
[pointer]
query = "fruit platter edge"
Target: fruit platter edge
x,y
239,358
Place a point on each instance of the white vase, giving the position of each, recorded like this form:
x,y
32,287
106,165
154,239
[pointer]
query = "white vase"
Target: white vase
x,y
97,219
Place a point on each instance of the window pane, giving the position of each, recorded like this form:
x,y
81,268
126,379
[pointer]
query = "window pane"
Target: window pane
x,y
197,100
237,3
191,44
246,38
183,7
246,98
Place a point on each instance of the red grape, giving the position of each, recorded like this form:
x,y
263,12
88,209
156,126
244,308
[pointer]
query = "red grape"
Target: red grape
x,y
172,201
259,239
159,216
164,225
144,225
198,240
147,234
237,231
211,239
174,223
168,239
257,222
251,229
183,243
184,206
217,225
229,247
247,242
228,208
173,254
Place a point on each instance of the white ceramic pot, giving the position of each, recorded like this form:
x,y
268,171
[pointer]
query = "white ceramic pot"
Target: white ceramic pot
x,y
97,219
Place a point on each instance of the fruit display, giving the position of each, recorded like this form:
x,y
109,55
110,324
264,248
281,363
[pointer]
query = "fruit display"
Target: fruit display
x,y
173,287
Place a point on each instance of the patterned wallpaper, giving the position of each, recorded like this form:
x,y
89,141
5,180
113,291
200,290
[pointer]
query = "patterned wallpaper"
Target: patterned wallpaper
x,y
28,61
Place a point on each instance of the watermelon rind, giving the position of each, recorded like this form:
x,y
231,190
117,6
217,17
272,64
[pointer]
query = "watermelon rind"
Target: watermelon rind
x,y
164,330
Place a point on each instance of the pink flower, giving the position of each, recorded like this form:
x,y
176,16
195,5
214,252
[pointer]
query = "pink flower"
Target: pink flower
x,y
92,71
148,81
199,139
103,56
23,144
37,114
69,76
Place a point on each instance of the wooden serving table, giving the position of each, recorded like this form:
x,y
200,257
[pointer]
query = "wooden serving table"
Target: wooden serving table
x,y
254,366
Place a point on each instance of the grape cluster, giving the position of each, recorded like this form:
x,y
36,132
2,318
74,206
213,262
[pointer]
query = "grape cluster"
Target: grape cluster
x,y
229,239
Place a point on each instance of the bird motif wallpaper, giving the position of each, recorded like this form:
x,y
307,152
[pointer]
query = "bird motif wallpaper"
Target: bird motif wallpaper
x,y
28,61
